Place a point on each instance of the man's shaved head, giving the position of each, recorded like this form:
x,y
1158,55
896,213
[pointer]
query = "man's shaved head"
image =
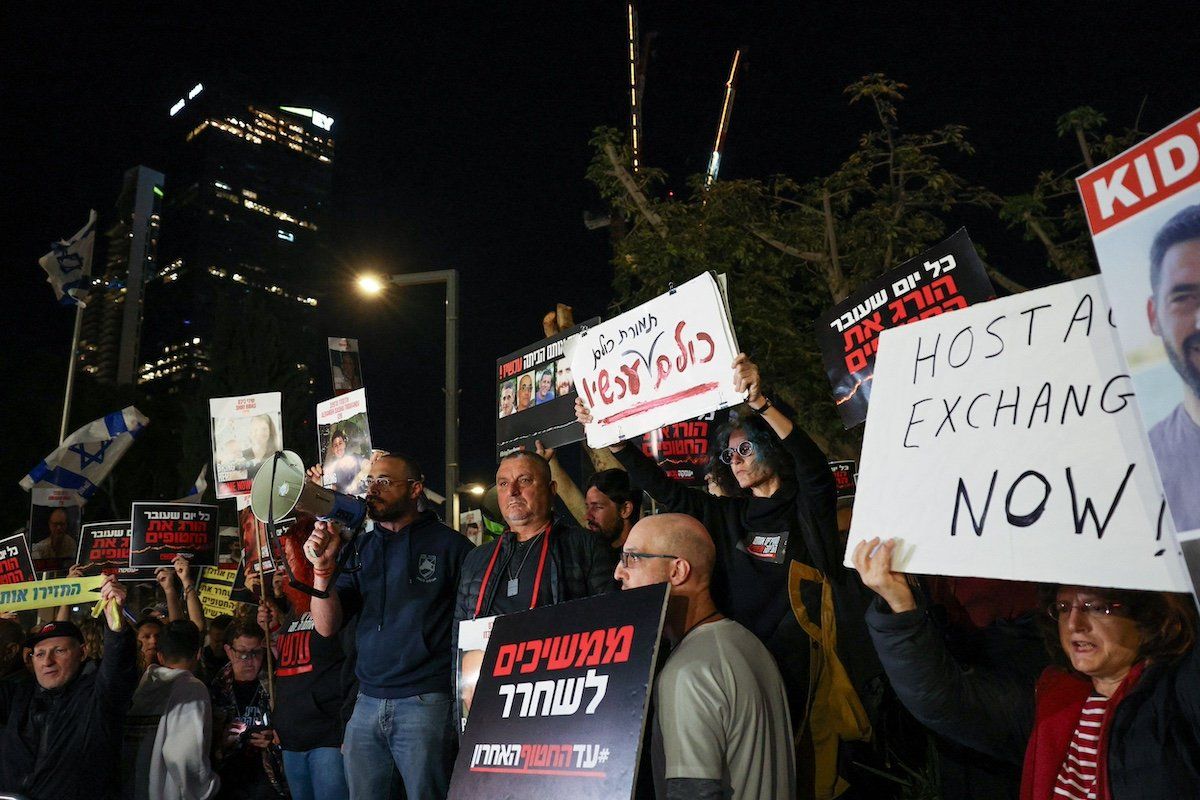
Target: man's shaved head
x,y
676,535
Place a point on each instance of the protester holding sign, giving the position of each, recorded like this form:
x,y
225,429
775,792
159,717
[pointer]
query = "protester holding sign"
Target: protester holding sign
x,y
784,518
60,734
1119,719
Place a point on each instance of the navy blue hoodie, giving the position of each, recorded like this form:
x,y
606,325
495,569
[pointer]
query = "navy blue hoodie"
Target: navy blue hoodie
x,y
404,597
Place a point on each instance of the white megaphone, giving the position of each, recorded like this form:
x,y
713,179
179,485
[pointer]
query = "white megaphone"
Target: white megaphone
x,y
280,488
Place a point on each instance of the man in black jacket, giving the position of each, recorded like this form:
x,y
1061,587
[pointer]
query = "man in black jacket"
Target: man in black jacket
x,y
540,560
61,736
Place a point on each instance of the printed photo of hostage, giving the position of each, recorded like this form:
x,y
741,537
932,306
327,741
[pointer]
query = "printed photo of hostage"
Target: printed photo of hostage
x,y
525,391
345,463
54,534
245,432
545,386
508,399
563,385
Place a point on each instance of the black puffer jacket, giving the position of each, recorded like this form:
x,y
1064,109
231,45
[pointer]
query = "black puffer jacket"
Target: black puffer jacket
x,y
80,757
579,565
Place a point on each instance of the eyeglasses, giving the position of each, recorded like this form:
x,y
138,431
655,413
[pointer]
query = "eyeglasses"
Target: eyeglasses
x,y
744,449
384,483
247,655
1097,609
629,558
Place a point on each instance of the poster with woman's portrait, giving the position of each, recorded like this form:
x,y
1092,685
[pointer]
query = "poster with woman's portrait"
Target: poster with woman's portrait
x,y
246,430
344,442
345,365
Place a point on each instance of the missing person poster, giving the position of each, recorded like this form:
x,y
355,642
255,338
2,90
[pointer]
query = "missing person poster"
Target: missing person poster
x,y
1004,442
162,531
260,548
470,525
54,518
683,449
1143,208
944,278
473,635
344,442
245,432
558,709
104,548
667,360
16,565
535,395
345,365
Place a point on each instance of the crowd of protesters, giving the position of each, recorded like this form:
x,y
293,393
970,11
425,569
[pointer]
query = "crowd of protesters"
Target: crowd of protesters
x,y
780,664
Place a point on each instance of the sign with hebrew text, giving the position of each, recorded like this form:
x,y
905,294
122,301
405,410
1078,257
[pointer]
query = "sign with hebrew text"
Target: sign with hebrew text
x,y
162,531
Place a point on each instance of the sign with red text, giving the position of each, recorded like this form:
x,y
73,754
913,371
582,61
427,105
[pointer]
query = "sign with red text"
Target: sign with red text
x,y
162,531
683,449
561,699
1143,208
104,548
245,432
944,278
1003,441
665,361
16,565
843,477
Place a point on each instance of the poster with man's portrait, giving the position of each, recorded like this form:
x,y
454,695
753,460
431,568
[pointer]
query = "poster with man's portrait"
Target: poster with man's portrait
x,y
345,365
54,518
246,431
344,442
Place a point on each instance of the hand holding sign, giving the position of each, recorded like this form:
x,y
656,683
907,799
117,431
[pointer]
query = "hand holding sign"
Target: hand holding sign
x,y
874,564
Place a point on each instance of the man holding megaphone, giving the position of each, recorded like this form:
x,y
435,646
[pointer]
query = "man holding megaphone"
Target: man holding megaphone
x,y
403,596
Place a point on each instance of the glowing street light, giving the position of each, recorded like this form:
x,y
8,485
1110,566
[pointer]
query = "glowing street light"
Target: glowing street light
x,y
370,284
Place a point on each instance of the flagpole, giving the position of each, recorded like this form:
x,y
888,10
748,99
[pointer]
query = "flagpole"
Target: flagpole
x,y
66,415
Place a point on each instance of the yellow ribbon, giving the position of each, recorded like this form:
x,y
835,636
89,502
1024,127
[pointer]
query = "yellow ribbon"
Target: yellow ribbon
x,y
44,594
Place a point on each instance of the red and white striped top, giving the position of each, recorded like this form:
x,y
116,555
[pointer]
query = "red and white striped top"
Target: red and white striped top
x,y
1077,775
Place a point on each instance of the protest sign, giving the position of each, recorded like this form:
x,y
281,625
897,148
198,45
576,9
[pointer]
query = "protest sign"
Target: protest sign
x,y
46,594
104,546
344,442
682,449
1003,442
944,278
256,540
16,565
535,396
473,636
1143,208
843,477
213,588
667,360
162,531
245,432
561,699
53,530
345,365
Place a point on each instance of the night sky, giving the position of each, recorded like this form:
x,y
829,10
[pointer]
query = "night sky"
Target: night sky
x,y
461,141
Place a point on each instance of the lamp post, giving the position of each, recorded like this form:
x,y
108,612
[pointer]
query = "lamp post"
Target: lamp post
x,y
373,285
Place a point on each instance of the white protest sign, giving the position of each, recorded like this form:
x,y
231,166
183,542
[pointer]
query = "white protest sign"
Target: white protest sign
x,y
1002,441
665,361
245,431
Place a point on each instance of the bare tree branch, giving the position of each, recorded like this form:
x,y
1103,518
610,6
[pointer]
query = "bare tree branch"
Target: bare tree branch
x,y
635,194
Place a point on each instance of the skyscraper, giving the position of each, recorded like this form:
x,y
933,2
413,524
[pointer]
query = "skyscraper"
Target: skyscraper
x,y
246,217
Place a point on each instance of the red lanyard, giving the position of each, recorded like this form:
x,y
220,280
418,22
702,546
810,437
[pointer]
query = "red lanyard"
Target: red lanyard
x,y
537,581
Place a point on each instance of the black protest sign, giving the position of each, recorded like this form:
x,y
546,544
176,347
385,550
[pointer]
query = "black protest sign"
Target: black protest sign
x,y
16,565
535,395
561,700
843,477
944,278
162,531
682,449
104,546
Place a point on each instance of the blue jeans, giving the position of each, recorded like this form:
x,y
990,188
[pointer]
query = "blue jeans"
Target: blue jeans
x,y
415,734
315,774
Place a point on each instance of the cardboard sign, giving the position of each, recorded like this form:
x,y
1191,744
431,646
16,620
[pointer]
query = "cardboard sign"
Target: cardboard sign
x,y
344,364
682,449
344,442
16,565
944,278
104,546
535,394
47,594
561,699
1004,442
213,588
245,432
1144,211
667,360
162,531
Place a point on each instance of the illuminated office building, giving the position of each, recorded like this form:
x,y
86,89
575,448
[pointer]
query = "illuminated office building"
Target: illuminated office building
x,y
246,216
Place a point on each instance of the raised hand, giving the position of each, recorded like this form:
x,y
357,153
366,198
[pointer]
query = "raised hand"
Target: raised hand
x,y
874,564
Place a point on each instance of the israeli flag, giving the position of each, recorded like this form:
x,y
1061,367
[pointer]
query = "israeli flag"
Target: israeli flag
x,y
68,265
88,454
198,488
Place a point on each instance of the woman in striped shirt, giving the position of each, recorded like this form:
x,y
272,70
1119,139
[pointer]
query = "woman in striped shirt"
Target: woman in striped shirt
x,y
1119,718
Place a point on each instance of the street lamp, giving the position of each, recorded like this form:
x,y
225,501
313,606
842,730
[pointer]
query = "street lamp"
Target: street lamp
x,y
373,285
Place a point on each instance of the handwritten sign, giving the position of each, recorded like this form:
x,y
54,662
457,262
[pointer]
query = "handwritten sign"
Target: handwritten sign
x,y
665,361
1003,442
944,278
16,565
45,594
162,531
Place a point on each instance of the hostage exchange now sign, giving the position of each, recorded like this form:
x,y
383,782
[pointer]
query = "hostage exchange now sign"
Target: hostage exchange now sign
x,y
162,531
561,699
665,361
944,278
1003,442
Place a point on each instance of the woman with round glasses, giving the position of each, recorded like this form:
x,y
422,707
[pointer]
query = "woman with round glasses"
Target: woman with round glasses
x,y
1118,717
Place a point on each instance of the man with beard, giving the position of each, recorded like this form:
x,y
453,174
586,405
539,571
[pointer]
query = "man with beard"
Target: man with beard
x,y
403,596
613,506
1174,312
